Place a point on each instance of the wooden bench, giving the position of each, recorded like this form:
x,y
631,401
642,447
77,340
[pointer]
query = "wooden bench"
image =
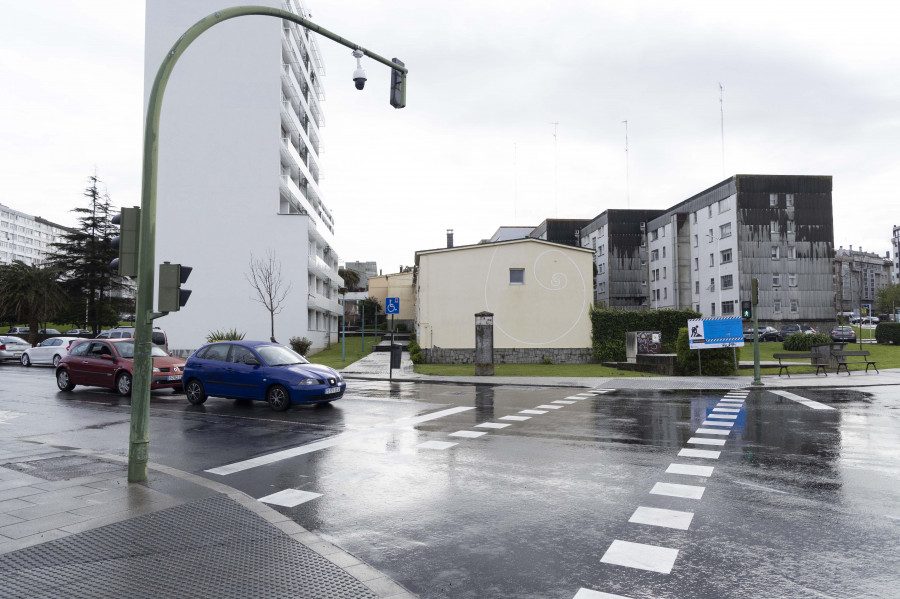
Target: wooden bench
x,y
864,355
783,366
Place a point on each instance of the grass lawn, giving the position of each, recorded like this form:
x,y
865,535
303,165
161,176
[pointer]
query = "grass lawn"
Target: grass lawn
x,y
887,356
561,370
353,352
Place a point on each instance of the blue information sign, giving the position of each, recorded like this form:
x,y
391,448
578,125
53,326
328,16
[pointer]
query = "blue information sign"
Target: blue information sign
x,y
712,333
392,305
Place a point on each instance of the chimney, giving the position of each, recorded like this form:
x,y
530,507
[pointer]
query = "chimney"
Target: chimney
x,y
449,238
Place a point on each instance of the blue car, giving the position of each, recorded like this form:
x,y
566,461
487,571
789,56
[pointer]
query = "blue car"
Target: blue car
x,y
258,370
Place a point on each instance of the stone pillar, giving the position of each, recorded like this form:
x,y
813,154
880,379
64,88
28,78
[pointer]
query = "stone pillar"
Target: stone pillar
x,y
484,344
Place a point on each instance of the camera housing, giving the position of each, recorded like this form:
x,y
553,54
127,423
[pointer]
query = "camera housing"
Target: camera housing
x,y
359,78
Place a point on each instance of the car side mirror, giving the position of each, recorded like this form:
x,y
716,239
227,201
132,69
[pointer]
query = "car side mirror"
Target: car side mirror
x,y
107,357
251,362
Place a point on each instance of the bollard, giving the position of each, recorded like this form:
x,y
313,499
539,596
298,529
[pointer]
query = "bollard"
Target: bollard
x,y
484,344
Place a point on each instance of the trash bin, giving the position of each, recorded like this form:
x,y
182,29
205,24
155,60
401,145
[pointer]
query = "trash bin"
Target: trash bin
x,y
396,352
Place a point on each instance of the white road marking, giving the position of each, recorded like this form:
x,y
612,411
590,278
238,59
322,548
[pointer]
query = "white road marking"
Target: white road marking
x,y
516,418
727,410
575,397
659,517
707,454
717,423
436,445
491,425
711,431
289,497
704,441
564,402
690,470
723,416
676,490
548,407
278,456
802,400
532,411
591,594
638,555
7,416
468,434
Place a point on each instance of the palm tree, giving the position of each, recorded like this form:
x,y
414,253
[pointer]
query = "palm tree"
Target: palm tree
x,y
351,278
31,293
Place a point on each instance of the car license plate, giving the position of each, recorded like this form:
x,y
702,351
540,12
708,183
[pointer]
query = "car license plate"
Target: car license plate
x,y
331,390
17,354
174,377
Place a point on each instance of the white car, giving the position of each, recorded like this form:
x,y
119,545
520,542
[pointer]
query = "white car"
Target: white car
x,y
12,348
48,351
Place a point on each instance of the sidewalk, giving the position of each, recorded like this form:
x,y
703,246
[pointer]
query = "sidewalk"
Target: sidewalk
x,y
376,366
70,525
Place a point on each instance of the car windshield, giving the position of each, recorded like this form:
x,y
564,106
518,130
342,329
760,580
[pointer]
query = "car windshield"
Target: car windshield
x,y
279,355
126,350
12,340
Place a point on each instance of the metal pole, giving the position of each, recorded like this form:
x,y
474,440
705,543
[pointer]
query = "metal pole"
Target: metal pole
x,y
734,353
756,379
391,369
699,362
363,348
344,328
139,437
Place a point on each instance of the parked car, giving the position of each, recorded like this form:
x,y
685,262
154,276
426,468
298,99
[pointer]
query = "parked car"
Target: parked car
x,y
158,335
259,370
788,330
79,332
110,363
12,347
807,329
48,351
48,332
865,320
843,334
765,334
18,330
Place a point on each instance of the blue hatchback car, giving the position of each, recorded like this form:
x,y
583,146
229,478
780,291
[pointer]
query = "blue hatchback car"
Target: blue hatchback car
x,y
258,370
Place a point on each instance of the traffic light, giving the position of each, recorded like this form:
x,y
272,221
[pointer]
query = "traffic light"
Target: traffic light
x,y
746,309
398,85
129,221
171,277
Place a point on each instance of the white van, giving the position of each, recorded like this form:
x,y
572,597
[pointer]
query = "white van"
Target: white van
x,y
158,335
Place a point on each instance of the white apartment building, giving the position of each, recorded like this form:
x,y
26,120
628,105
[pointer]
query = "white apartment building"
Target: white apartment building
x,y
239,172
26,238
895,242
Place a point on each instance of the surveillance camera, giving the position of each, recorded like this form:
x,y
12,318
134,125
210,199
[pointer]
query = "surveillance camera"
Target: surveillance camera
x,y
359,78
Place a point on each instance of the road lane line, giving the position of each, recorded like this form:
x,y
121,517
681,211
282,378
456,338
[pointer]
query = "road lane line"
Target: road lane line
x,y
704,441
690,470
492,425
676,490
516,418
706,454
659,517
640,556
289,497
564,402
468,434
548,407
278,456
802,400
532,411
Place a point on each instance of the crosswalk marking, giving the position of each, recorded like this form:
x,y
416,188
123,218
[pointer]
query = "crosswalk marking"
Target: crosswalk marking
x,y
707,454
690,470
436,445
803,401
704,441
659,517
492,425
711,431
468,434
676,490
641,556
289,497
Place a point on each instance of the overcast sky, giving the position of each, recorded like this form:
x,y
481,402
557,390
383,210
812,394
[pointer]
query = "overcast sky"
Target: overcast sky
x,y
808,89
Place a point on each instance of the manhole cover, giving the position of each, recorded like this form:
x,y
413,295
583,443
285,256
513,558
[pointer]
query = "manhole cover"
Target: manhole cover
x,y
65,467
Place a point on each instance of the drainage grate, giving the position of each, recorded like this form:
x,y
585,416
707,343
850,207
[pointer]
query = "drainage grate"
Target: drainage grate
x,y
212,547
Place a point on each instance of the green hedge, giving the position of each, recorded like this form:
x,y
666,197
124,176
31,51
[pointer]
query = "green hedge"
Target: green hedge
x,y
608,328
887,332
716,362
804,341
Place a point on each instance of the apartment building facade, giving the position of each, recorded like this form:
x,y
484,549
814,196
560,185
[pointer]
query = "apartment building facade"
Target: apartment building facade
x,y
27,238
239,170
895,243
858,276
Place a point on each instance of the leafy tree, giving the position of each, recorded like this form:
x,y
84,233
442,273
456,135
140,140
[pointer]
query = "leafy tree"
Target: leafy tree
x,y
83,258
372,307
888,299
265,278
30,293
351,279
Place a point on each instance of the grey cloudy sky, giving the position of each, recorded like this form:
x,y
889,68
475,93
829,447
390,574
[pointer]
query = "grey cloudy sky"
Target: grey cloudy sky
x,y
809,88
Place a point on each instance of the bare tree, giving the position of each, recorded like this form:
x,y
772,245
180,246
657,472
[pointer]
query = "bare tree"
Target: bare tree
x,y
271,291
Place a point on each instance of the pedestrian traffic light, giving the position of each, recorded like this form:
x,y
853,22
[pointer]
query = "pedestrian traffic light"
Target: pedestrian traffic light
x,y
746,309
129,221
171,277
398,85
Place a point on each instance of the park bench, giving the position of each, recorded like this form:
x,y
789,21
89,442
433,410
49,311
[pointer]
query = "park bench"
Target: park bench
x,y
864,359
785,367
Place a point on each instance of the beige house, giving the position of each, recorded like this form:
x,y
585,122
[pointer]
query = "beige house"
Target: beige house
x,y
539,292
395,285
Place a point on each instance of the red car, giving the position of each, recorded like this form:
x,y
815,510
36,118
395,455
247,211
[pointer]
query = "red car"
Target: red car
x,y
110,363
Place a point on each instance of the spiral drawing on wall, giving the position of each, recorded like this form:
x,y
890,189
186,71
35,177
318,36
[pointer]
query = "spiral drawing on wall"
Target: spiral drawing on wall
x,y
554,285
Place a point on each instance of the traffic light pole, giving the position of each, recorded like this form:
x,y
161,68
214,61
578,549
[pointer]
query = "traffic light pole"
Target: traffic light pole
x,y
755,304
139,438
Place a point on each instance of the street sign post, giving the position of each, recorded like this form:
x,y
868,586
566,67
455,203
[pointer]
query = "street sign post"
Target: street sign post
x,y
392,306
714,333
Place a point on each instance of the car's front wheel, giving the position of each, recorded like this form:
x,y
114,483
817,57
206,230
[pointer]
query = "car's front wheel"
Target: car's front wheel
x,y
63,381
123,384
279,398
195,392
26,361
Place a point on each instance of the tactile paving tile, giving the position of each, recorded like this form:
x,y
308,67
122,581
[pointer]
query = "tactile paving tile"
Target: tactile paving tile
x,y
212,547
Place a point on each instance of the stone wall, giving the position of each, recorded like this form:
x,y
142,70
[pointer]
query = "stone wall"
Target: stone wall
x,y
512,356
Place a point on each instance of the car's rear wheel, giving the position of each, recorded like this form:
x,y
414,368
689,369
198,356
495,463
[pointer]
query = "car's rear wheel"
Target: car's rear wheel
x,y
123,384
56,360
63,381
279,398
26,361
195,392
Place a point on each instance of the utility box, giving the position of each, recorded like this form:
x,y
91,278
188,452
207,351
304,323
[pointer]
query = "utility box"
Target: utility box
x,y
642,342
484,344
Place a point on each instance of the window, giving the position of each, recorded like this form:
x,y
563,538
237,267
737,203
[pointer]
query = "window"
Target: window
x,y
794,305
712,259
789,200
776,280
723,206
777,305
712,309
664,252
776,253
710,211
725,256
516,276
664,272
695,222
601,268
662,231
654,255
727,281
652,275
697,290
792,280
725,231
792,253
665,293
790,226
696,240
654,235
773,200
696,263
773,226
600,250
712,284
727,308
657,274
710,236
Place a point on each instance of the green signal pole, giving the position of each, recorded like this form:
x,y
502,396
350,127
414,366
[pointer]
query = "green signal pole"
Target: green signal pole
x,y
755,306
139,438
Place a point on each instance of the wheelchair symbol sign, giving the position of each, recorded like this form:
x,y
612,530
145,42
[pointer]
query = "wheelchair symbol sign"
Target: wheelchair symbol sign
x,y
392,305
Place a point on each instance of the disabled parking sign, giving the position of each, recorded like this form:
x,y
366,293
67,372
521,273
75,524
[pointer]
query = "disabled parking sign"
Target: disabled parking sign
x,y
392,305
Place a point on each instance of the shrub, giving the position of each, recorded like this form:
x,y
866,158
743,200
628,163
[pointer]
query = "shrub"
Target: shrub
x,y
887,332
415,352
716,362
300,345
217,335
608,328
804,341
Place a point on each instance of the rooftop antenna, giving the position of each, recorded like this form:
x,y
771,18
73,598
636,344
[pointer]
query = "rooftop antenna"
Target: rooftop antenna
x,y
555,170
627,186
722,121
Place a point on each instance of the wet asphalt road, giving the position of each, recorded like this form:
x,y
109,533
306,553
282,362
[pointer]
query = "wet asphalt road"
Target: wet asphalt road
x,y
801,502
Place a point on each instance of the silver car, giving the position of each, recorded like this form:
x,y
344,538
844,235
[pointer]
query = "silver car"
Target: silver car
x,y
12,348
48,351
